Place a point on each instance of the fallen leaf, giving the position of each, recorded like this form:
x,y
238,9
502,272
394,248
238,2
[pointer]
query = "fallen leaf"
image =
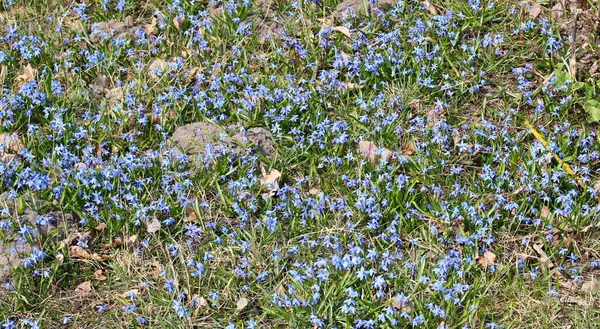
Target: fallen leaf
x,y
178,21
78,252
84,288
543,257
545,212
157,67
410,148
99,276
132,239
432,10
325,22
28,75
10,145
202,302
343,30
369,150
488,259
535,9
101,227
242,303
557,10
132,292
150,28
591,286
270,181
153,225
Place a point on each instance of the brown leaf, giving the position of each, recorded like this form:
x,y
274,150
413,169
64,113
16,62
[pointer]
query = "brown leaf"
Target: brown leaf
x,y
28,75
150,28
132,239
410,148
84,288
488,259
535,9
134,291
241,303
557,10
591,286
178,21
10,145
157,67
343,30
545,212
78,252
270,181
543,257
429,7
99,276
369,150
101,227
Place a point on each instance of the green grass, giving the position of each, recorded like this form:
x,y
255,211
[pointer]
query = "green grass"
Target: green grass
x,y
438,100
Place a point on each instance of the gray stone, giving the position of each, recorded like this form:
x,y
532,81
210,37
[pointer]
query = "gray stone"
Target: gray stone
x,y
357,6
194,137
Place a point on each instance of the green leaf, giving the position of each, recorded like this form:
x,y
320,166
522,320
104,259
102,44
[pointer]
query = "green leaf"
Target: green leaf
x,y
592,108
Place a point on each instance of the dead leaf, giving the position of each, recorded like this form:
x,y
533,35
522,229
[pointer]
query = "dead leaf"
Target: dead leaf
x,y
99,276
343,30
150,28
78,252
178,21
270,181
133,292
543,257
432,10
557,10
132,239
153,225
10,145
84,288
28,75
545,212
410,148
488,259
241,303
325,22
157,67
369,150
101,227
535,9
591,286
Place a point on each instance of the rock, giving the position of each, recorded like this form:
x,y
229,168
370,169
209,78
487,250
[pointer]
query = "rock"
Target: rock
x,y
100,84
357,6
8,260
194,137
108,30
259,137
